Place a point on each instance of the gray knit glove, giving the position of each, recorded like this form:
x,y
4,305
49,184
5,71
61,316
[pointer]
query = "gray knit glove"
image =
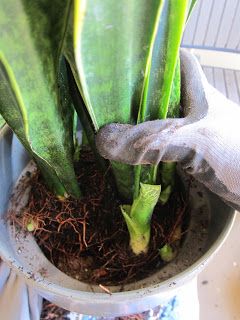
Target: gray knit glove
x,y
206,141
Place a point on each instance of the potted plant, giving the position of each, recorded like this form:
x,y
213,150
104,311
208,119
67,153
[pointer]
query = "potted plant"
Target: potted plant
x,y
107,62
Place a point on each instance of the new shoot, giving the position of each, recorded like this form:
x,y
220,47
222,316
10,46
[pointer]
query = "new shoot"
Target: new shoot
x,y
138,217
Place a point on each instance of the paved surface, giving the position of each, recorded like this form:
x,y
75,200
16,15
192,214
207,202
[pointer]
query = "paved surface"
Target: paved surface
x,y
219,283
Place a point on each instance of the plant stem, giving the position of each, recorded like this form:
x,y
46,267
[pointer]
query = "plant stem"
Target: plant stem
x,y
138,217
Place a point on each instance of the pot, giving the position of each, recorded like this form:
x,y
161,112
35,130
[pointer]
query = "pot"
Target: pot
x,y
210,222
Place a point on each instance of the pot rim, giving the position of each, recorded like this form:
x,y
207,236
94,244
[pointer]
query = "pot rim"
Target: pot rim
x,y
170,284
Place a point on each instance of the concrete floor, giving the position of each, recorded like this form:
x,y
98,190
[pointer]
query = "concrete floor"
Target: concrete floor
x,y
219,283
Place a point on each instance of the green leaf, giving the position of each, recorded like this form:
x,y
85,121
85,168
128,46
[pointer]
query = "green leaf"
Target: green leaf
x,y
124,176
168,169
175,96
191,5
15,119
2,122
112,40
31,70
138,217
167,254
139,240
165,194
162,86
157,90
143,206
84,117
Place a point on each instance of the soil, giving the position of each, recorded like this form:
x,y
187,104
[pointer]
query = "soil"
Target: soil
x,y
88,238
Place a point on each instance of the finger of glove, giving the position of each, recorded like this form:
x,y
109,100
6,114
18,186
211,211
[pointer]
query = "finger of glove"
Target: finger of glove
x,y
140,144
194,87
210,155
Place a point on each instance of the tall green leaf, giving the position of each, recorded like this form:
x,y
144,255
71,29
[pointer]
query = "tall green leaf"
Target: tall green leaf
x,y
168,169
125,59
31,70
191,5
112,40
162,78
2,122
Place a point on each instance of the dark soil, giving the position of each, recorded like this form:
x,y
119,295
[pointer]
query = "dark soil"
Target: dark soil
x,y
87,238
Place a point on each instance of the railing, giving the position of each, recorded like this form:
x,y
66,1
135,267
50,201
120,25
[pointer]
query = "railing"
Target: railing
x,y
215,25
213,34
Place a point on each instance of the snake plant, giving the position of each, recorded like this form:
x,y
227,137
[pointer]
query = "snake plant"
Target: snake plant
x,y
109,61
2,122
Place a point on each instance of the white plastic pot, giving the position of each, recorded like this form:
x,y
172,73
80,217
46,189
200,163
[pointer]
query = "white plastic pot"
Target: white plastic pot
x,y
210,223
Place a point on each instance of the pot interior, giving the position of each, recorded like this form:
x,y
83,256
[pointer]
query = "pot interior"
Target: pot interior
x,y
210,222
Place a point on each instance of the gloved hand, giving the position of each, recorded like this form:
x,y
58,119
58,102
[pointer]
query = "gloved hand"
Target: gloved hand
x,y
206,141
17,300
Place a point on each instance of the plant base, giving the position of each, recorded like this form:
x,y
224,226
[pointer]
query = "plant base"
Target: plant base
x,y
88,239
